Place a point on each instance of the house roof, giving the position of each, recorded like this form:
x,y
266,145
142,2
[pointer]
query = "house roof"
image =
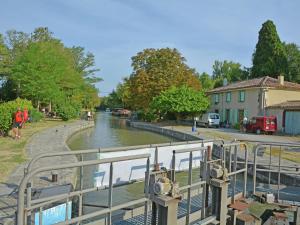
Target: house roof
x,y
286,105
257,82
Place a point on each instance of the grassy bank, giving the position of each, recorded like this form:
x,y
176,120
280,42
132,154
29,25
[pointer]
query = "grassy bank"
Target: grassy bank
x,y
12,152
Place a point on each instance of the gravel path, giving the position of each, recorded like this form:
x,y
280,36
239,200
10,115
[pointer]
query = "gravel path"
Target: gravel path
x,y
50,140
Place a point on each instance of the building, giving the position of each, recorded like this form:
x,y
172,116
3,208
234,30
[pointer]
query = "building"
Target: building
x,y
251,98
288,116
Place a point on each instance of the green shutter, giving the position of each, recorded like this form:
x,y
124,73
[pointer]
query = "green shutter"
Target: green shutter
x,y
235,120
223,115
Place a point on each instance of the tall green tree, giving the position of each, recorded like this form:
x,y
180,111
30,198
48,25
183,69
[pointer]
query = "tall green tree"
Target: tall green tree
x,y
43,71
156,70
269,57
85,64
293,61
207,82
5,60
228,70
181,101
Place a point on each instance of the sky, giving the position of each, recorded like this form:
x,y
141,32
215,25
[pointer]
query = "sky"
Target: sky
x,y
116,30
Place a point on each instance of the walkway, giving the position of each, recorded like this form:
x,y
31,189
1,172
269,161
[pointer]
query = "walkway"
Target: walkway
x,y
50,140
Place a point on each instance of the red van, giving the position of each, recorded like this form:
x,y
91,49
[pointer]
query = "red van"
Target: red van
x,y
262,124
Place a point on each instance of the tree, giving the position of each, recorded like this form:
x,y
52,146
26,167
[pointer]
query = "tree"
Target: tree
x,y
5,61
227,69
85,64
293,61
181,101
207,82
156,70
269,58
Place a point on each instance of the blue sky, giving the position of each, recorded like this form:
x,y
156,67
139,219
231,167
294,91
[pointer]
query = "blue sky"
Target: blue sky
x,y
115,30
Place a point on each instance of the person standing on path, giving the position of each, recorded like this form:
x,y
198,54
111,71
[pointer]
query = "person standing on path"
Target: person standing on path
x,y
17,125
25,117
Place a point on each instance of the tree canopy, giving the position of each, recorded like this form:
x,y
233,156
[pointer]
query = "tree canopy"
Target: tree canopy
x,y
181,101
293,61
269,58
39,67
156,70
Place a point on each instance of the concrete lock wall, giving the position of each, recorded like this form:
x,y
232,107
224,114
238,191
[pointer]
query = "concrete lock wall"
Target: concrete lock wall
x,y
135,169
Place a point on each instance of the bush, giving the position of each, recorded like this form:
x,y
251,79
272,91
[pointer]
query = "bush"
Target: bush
x,y
237,126
35,115
67,111
7,110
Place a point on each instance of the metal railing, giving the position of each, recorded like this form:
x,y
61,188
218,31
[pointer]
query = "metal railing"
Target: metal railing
x,y
23,211
190,185
279,167
232,164
112,149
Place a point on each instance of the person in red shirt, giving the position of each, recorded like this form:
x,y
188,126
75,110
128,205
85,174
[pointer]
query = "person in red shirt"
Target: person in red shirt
x,y
25,117
18,121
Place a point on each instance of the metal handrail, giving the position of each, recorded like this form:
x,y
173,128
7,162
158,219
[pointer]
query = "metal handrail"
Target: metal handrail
x,y
25,180
110,149
279,166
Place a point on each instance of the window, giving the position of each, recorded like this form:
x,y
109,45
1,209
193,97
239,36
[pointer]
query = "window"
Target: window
x,y
241,96
228,97
216,98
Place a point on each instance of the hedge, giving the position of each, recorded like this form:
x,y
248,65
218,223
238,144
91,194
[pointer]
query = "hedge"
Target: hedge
x,y
7,110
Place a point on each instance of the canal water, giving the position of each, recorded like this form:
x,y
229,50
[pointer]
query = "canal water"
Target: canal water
x,y
110,131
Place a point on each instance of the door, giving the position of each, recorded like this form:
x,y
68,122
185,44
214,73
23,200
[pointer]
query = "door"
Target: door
x,y
292,121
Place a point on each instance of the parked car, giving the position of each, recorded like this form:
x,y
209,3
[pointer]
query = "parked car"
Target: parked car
x,y
209,120
262,124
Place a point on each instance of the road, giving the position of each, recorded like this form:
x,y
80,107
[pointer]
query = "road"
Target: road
x,y
231,134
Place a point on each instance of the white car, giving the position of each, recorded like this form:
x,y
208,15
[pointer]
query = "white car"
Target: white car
x,y
209,120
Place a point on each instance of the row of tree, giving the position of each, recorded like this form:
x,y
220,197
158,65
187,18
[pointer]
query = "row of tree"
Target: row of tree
x,y
159,73
39,67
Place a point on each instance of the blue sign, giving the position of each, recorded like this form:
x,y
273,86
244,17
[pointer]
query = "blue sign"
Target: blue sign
x,y
54,215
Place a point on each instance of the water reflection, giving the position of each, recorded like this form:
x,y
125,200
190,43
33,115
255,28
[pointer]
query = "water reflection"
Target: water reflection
x,y
111,131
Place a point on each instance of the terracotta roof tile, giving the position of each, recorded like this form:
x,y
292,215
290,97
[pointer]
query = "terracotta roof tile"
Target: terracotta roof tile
x,y
257,82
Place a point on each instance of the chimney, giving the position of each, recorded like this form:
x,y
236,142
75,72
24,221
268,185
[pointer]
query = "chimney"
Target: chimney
x,y
281,80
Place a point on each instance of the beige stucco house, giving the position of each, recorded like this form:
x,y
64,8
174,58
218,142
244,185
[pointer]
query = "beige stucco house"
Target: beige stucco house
x,y
251,97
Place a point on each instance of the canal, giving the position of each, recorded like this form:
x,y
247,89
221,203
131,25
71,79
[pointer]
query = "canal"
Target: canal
x,y
110,131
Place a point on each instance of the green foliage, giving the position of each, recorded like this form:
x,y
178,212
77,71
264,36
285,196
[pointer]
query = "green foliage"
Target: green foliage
x,y
228,70
207,82
237,126
182,101
35,115
293,61
269,58
67,110
45,71
156,70
7,110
